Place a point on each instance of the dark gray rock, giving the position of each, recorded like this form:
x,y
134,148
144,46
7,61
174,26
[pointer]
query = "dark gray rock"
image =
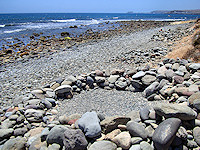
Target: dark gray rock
x,y
165,133
175,110
177,142
74,139
103,145
90,81
89,123
137,85
61,90
56,135
136,129
150,89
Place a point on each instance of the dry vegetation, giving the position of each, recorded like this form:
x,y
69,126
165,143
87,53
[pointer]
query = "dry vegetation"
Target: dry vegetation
x,y
188,47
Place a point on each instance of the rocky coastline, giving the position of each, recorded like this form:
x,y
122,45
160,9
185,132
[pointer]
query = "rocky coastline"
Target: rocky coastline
x,y
40,45
77,100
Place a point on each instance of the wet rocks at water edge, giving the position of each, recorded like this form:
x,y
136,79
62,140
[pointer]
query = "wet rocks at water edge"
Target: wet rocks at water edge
x,y
41,45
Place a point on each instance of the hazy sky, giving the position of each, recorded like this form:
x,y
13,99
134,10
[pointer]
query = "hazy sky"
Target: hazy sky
x,y
99,6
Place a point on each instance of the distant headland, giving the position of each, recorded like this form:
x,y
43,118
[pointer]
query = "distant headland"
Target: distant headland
x,y
195,12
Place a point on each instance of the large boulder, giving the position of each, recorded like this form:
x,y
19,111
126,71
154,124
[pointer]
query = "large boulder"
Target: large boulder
x,y
89,123
175,110
165,133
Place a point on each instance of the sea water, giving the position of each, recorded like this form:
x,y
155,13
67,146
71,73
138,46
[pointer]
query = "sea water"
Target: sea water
x,y
23,25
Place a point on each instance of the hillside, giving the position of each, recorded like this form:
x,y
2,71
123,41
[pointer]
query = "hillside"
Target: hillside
x,y
188,47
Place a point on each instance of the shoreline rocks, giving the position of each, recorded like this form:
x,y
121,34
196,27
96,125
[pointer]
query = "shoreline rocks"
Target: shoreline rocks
x,y
43,45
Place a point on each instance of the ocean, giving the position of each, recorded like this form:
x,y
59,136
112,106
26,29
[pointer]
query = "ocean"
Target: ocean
x,y
23,25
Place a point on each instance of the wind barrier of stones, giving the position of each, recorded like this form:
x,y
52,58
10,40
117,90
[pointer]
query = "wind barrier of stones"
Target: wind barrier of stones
x,y
171,125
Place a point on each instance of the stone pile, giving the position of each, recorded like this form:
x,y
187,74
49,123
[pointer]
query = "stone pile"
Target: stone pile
x,y
149,55
172,35
175,124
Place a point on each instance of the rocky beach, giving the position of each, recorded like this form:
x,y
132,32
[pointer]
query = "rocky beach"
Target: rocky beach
x,y
108,91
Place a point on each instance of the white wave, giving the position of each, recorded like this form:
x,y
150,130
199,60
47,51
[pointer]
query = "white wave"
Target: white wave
x,y
1,26
68,20
115,17
93,21
16,30
169,19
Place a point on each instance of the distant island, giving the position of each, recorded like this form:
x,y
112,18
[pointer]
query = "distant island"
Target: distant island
x,y
194,12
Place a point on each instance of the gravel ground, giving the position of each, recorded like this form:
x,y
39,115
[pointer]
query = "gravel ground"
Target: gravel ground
x,y
106,102
17,79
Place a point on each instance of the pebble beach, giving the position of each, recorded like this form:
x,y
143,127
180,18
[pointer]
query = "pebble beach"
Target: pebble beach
x,y
102,78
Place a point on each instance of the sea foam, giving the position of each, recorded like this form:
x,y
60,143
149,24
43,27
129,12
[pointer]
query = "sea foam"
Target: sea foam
x,y
68,20
16,30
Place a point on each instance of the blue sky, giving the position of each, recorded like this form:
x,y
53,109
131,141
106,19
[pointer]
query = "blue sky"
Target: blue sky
x,y
91,6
